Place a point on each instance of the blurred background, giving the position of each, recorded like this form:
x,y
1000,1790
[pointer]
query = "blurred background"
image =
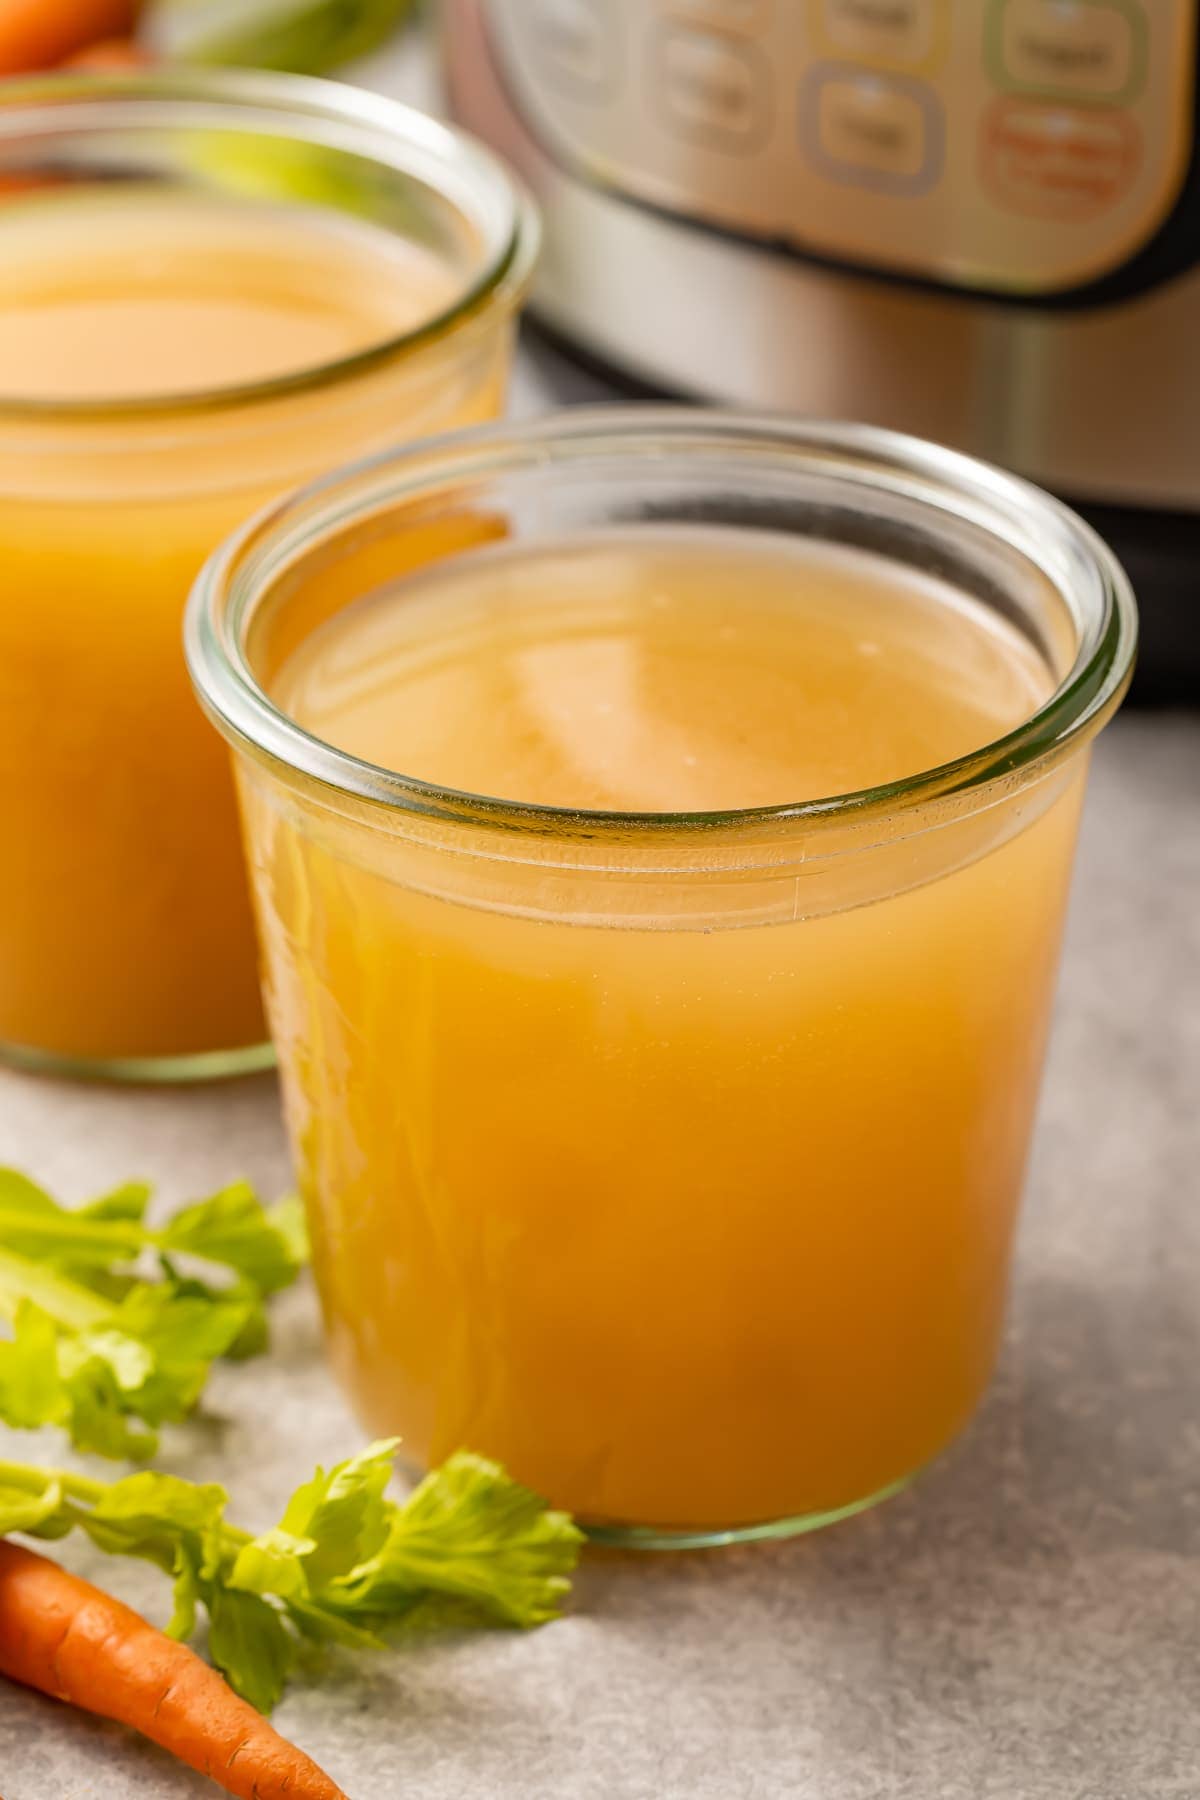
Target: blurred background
x,y
314,36
988,236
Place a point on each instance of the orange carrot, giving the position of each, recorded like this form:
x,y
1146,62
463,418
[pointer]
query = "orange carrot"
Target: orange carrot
x,y
115,54
64,1636
24,184
36,34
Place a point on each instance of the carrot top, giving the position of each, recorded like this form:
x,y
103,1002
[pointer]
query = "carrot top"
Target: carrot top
x,y
343,1565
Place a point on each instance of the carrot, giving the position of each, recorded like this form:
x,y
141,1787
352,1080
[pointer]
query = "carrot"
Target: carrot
x,y
36,34
111,54
62,1635
24,184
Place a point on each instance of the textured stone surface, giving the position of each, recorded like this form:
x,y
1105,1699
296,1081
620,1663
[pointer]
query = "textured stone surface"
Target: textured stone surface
x,y
1023,1625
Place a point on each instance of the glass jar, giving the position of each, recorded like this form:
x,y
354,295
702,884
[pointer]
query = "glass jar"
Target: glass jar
x,y
126,938
673,1159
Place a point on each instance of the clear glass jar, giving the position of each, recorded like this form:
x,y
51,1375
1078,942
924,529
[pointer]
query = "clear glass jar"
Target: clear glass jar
x,y
126,938
673,1159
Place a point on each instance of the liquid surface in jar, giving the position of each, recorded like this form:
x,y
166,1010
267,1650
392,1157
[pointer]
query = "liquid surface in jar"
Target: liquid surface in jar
x,y
693,672
134,292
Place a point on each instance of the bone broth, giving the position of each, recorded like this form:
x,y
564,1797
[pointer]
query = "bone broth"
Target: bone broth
x,y
176,351
693,1206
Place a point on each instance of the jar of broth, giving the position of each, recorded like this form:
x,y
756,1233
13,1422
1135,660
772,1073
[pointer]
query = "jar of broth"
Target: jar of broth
x,y
212,286
662,825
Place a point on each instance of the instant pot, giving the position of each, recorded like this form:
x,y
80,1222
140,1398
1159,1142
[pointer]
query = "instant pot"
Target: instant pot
x,y
978,220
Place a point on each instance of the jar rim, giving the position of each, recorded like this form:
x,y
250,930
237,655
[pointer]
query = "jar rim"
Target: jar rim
x,y
446,159
1012,510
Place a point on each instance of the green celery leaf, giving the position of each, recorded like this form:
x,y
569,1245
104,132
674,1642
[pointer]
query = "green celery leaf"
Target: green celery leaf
x,y
148,1357
39,1513
186,1591
141,1505
161,1348
184,1328
250,1644
98,1413
163,1519
170,1395
21,1196
234,1228
129,1362
321,1626
287,1217
113,1349
253,1334
31,1388
67,1301
273,1564
35,1225
218,1547
265,1247
344,1512
156,1388
127,1202
332,1524
469,1530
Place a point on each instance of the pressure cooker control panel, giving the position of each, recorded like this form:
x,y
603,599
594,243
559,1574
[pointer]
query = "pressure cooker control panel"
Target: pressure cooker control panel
x,y
1030,146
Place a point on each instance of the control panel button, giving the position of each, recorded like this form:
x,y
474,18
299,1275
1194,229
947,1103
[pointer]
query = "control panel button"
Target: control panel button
x,y
722,15
1090,49
713,91
1058,162
877,131
576,43
1038,147
907,33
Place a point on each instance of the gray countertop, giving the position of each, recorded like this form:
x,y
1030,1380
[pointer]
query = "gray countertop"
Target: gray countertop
x,y
1024,1624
